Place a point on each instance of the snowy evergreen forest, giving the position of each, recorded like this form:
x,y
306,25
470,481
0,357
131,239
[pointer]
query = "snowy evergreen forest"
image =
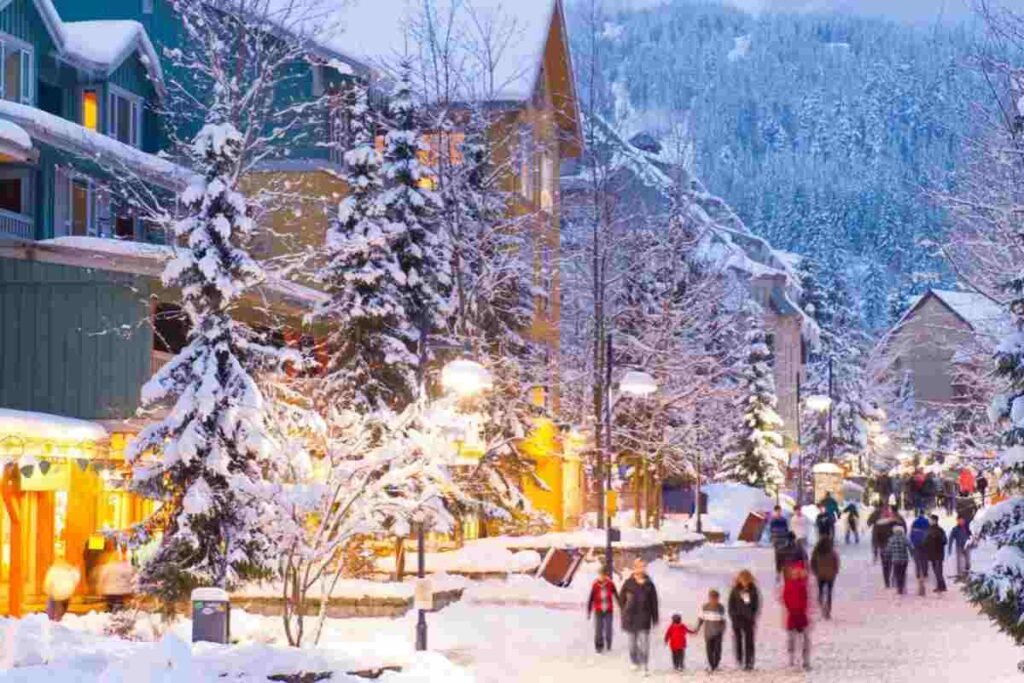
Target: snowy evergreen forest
x,y
821,131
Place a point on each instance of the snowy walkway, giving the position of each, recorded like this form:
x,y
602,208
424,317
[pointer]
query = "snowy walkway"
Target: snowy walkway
x,y
874,635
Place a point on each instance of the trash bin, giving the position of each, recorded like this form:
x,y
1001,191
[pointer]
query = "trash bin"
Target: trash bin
x,y
211,615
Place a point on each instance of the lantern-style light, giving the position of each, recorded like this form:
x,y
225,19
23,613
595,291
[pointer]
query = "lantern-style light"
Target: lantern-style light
x,y
819,403
465,378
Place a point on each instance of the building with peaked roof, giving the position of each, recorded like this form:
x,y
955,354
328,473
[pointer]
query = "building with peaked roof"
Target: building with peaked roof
x,y
86,319
944,338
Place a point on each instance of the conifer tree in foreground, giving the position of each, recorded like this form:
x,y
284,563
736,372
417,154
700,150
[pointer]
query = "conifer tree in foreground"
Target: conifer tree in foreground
x,y
758,459
999,590
212,452
421,247
371,366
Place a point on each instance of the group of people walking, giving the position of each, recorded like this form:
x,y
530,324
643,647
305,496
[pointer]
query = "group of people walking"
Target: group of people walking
x,y
638,601
927,545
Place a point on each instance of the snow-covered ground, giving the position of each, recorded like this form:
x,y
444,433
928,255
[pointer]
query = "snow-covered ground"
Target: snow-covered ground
x,y
526,630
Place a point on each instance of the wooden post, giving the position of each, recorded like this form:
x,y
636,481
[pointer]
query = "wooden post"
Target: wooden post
x,y
11,496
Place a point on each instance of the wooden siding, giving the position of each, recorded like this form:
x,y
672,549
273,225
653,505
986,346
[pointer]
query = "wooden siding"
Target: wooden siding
x,y
75,341
133,77
21,19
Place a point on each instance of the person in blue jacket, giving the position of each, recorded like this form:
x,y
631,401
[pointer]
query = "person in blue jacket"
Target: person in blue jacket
x,y
778,532
918,529
959,538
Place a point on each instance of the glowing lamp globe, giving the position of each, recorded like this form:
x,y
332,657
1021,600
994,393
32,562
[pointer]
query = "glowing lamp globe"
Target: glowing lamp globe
x,y
819,403
636,383
465,377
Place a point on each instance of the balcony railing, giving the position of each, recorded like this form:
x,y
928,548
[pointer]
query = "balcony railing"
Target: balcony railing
x,y
16,224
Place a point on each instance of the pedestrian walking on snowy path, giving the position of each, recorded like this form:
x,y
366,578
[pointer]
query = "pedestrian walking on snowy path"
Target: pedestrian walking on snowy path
x,y
712,620
825,567
852,522
898,551
744,608
831,505
982,485
959,542
601,605
918,530
675,638
639,614
935,551
825,522
798,624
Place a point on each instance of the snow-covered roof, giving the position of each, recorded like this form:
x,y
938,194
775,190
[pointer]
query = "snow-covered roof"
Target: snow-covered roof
x,y
70,136
376,33
985,316
15,135
15,143
101,253
24,424
104,45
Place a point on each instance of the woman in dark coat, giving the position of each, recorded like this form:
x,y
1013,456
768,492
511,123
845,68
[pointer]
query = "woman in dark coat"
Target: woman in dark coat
x,y
744,608
639,601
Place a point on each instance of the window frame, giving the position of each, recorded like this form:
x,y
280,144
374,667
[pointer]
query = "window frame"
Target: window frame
x,y
136,104
63,217
26,68
13,172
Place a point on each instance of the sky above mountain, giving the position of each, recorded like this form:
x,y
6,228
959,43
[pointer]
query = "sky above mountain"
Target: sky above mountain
x,y
903,10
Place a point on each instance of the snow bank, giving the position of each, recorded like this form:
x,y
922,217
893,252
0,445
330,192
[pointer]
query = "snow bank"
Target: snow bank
x,y
34,649
473,558
31,425
356,589
729,504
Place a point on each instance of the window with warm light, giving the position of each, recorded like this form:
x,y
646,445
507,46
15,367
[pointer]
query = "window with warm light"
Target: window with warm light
x,y
90,110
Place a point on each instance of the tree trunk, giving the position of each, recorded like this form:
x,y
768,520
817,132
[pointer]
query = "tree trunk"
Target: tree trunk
x,y
647,494
636,495
399,559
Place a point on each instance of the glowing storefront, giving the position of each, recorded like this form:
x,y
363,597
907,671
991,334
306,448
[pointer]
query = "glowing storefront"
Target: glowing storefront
x,y
62,487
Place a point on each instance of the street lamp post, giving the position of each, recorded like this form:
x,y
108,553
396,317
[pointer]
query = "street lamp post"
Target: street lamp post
x,y
820,404
633,383
831,404
799,450
465,378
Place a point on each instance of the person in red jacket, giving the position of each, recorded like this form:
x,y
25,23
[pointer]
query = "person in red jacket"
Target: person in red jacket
x,y
794,598
675,636
603,597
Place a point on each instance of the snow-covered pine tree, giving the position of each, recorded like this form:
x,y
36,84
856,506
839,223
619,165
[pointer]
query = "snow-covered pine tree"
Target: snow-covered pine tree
x,y
999,590
208,459
421,248
370,366
212,459
758,458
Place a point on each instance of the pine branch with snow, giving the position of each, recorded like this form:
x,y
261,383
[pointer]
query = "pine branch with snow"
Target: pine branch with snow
x,y
422,249
372,365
